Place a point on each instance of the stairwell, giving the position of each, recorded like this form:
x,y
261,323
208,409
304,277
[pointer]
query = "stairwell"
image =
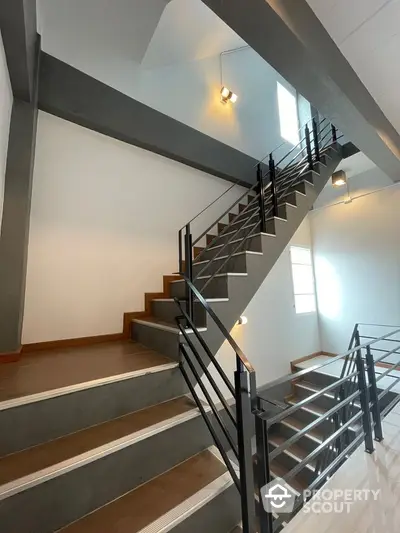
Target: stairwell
x,y
105,437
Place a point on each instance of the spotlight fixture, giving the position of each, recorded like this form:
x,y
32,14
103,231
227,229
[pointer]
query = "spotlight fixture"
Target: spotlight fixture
x,y
228,96
339,178
242,320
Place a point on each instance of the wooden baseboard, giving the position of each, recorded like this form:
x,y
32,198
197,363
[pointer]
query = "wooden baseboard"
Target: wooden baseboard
x,y
302,359
10,357
71,343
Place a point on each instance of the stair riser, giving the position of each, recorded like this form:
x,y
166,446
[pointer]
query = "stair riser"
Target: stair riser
x,y
42,421
306,417
168,311
234,264
241,231
253,244
220,515
52,505
320,379
305,443
306,475
218,288
160,340
268,206
325,402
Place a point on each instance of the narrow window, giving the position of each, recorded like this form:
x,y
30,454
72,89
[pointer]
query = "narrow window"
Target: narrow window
x,y
288,115
303,280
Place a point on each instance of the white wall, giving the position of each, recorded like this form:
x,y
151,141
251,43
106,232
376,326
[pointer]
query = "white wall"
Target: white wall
x,y
275,335
104,223
6,101
357,259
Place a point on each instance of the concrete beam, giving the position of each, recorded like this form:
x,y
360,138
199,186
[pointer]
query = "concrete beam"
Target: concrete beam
x,y
18,28
290,37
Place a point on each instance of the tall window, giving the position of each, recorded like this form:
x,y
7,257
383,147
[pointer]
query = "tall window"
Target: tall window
x,y
303,279
288,115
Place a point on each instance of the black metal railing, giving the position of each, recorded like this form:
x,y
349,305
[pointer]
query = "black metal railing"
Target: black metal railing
x,y
271,185
356,415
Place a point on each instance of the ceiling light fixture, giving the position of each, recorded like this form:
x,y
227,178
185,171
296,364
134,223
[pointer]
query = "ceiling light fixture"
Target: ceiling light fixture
x,y
242,320
339,178
228,96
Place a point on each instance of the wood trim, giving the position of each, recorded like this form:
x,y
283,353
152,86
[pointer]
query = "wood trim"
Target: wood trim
x,y
10,357
128,317
302,359
70,343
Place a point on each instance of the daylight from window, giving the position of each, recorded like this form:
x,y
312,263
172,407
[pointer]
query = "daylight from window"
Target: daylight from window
x,y
288,116
303,280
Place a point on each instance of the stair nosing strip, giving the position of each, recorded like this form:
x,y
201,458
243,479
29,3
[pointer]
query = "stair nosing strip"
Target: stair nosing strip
x,y
307,434
293,455
237,240
191,505
70,389
46,474
163,327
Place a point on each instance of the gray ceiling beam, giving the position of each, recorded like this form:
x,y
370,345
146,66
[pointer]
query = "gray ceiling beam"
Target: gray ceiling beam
x,y
290,37
18,28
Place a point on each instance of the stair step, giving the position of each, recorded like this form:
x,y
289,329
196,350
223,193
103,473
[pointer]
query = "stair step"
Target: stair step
x,y
296,482
297,425
163,499
50,455
295,451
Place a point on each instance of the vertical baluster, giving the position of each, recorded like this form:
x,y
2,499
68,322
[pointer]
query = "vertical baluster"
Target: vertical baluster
x,y
261,199
189,272
376,415
244,431
334,133
272,174
364,401
316,140
309,149
263,471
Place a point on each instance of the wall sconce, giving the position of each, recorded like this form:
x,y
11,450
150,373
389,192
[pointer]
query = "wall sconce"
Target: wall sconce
x,y
242,321
339,178
228,96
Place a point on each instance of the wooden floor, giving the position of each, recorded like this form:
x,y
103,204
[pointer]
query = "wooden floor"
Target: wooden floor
x,y
51,453
52,369
147,503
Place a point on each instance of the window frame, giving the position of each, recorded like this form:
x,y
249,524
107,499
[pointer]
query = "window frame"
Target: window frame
x,y
314,293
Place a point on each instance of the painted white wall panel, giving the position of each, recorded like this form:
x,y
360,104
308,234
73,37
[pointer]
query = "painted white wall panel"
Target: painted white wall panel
x,y
6,101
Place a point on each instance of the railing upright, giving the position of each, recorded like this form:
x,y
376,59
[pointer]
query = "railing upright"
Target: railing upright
x,y
309,149
376,414
261,201
263,470
364,401
272,174
244,419
316,140
189,273
334,133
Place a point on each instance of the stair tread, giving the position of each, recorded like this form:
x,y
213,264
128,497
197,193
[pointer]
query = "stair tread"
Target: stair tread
x,y
20,464
142,506
47,370
299,425
278,470
294,449
309,407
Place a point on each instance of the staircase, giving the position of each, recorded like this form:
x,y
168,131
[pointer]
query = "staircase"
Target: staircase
x,y
107,438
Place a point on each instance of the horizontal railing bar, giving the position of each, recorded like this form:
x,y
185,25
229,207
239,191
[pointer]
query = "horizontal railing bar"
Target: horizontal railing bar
x,y
389,388
378,325
312,397
218,443
295,470
390,352
292,440
321,418
390,406
220,326
296,375
380,350
209,376
205,347
386,340
224,213
387,371
204,390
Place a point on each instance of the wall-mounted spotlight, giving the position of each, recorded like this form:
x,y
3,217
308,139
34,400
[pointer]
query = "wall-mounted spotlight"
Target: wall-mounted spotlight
x,y
242,320
228,96
339,178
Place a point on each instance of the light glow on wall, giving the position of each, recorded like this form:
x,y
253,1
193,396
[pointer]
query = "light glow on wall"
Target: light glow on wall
x,y
329,289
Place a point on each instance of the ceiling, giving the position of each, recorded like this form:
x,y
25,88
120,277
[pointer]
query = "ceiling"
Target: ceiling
x,y
368,34
122,28
188,31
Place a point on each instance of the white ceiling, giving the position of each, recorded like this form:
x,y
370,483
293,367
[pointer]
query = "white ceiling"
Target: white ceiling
x,y
368,34
188,31
122,28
